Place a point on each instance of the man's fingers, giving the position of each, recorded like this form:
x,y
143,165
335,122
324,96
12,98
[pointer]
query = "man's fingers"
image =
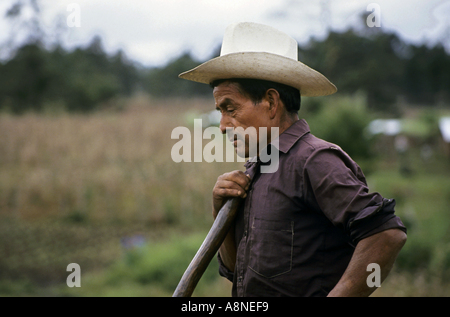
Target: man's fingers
x,y
223,187
230,192
239,177
241,185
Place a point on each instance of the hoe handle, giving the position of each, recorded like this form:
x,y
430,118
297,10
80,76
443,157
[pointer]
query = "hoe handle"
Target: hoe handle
x,y
208,249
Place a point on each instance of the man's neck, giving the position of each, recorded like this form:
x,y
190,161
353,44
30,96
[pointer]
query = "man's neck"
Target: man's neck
x,y
287,120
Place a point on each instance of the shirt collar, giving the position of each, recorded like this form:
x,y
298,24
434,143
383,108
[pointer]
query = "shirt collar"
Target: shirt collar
x,y
286,140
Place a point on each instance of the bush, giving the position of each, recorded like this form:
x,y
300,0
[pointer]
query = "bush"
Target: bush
x,y
422,204
160,264
341,120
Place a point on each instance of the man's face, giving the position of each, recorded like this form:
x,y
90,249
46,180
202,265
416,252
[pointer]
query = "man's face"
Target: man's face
x,y
239,111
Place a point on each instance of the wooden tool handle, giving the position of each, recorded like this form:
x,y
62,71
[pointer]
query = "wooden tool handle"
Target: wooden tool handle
x,y
208,249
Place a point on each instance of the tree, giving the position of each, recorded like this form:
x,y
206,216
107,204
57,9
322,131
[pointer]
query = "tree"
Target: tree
x,y
165,82
355,63
427,75
22,32
24,79
79,80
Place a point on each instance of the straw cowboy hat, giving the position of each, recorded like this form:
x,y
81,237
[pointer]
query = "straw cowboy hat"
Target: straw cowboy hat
x,y
252,50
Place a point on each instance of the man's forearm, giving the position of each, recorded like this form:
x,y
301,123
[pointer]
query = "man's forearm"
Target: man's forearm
x,y
382,249
227,251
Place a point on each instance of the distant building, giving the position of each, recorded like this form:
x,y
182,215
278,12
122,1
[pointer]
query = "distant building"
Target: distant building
x,y
396,135
386,131
444,128
385,126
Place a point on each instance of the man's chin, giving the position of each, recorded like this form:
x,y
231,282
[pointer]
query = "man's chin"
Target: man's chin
x,y
241,152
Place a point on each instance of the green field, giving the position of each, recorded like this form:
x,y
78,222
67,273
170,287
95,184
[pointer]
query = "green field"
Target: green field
x,y
78,188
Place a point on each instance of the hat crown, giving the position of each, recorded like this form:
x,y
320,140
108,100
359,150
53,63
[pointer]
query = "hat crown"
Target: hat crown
x,y
254,37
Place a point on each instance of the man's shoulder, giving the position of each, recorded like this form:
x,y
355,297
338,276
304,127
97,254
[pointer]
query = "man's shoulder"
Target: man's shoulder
x,y
311,150
309,144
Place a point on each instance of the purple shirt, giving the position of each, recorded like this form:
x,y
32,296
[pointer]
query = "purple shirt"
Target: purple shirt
x,y
297,229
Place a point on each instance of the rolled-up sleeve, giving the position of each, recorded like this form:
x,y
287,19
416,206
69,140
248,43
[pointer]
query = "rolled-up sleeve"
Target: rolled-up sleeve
x,y
339,189
223,270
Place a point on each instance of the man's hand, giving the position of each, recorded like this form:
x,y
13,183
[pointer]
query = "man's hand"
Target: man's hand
x,y
229,185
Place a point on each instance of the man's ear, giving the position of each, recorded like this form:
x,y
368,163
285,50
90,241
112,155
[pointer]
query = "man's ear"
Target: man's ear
x,y
273,98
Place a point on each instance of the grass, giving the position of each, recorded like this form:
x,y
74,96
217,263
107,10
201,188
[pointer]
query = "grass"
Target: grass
x,y
423,201
75,188
100,167
143,271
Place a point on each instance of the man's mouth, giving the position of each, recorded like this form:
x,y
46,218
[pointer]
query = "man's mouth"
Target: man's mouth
x,y
234,137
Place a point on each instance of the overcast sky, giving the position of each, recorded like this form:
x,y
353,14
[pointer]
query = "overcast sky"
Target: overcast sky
x,y
154,31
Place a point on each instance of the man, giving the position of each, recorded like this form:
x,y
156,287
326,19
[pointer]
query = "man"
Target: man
x,y
311,227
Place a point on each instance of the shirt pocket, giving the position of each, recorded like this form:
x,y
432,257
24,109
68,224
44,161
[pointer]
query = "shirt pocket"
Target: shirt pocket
x,y
271,247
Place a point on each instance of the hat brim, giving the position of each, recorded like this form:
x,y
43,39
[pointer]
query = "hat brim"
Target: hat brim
x,y
265,66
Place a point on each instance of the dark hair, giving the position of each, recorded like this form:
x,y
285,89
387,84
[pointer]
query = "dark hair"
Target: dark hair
x,y
255,89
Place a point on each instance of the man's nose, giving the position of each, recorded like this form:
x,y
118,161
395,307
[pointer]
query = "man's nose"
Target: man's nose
x,y
224,123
